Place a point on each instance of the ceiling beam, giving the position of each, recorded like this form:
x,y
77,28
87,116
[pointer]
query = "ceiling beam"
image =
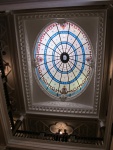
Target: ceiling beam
x,y
7,5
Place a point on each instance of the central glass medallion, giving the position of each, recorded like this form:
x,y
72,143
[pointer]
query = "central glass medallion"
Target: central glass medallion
x,y
64,59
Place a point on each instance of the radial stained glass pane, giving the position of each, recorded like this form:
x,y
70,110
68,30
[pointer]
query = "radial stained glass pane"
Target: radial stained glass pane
x,y
63,60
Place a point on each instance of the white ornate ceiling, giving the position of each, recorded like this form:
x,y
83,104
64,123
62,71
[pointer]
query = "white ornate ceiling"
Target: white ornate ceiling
x,y
61,61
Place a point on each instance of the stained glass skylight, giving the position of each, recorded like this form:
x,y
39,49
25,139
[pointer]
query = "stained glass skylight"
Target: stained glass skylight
x,y
63,60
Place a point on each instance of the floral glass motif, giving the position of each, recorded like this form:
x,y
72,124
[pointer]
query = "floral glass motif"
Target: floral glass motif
x,y
63,60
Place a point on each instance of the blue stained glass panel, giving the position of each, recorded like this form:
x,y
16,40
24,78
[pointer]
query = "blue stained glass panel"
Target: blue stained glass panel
x,y
63,54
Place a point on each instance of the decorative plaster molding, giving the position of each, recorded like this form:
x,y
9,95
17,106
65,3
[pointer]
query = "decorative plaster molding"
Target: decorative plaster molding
x,y
20,18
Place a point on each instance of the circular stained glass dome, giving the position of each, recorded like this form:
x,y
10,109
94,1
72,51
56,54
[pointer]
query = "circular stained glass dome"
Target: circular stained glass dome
x,y
63,60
